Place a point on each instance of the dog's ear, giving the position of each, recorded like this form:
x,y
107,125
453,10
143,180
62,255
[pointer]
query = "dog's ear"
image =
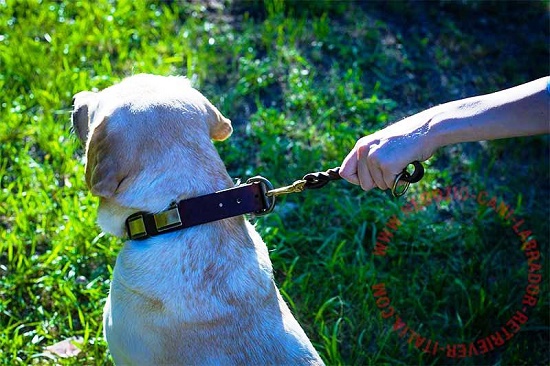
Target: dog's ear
x,y
219,126
102,176
80,116
105,156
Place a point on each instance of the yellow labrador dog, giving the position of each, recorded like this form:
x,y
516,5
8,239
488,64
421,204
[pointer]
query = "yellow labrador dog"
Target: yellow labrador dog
x,y
201,295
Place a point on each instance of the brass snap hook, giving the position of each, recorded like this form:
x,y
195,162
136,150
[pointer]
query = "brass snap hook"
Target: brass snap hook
x,y
295,187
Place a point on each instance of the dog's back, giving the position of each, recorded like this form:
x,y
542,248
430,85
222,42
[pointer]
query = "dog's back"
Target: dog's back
x,y
202,302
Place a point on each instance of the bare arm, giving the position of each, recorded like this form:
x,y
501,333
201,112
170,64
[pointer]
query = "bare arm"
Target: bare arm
x,y
519,111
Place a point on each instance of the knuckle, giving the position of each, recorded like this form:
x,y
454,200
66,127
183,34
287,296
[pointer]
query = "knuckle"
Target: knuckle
x,y
376,158
363,151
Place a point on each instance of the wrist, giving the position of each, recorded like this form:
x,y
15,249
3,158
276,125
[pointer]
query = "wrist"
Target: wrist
x,y
438,128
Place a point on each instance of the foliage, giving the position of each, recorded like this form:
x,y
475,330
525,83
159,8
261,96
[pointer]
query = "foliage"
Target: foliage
x,y
301,82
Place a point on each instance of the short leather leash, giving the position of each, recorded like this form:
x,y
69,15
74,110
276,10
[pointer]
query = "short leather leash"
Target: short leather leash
x,y
256,196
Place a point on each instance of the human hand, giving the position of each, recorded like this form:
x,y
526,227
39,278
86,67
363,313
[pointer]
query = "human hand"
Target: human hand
x,y
378,158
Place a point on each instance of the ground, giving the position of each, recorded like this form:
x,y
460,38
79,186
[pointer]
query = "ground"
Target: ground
x,y
301,82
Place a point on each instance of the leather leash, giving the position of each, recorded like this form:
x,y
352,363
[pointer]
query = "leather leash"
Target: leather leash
x,y
256,196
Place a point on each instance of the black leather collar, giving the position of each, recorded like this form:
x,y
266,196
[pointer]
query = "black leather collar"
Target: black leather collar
x,y
246,198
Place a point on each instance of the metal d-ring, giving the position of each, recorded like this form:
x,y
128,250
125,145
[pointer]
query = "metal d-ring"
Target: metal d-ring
x,y
266,186
407,178
396,191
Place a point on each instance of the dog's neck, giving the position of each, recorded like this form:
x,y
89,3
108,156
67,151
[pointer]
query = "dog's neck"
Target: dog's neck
x,y
112,214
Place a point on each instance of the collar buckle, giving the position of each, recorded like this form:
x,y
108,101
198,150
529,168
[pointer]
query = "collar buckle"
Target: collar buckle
x,y
140,225
168,219
135,225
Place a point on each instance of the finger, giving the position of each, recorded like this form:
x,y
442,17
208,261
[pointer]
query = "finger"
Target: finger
x,y
363,172
348,169
375,168
377,177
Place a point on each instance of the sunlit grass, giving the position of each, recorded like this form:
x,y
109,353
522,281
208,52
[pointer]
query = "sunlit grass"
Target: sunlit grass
x,y
301,82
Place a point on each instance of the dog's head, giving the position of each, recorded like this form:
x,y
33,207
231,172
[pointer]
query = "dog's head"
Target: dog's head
x,y
148,143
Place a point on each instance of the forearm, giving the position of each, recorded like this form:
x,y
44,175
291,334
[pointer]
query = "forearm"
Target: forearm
x,y
519,111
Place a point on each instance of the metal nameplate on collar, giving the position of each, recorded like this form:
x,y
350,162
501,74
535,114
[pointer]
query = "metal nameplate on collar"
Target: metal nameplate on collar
x,y
135,226
168,219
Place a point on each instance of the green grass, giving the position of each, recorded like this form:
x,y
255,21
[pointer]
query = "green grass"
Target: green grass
x,y
301,82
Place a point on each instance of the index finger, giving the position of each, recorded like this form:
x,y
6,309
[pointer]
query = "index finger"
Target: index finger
x,y
348,169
